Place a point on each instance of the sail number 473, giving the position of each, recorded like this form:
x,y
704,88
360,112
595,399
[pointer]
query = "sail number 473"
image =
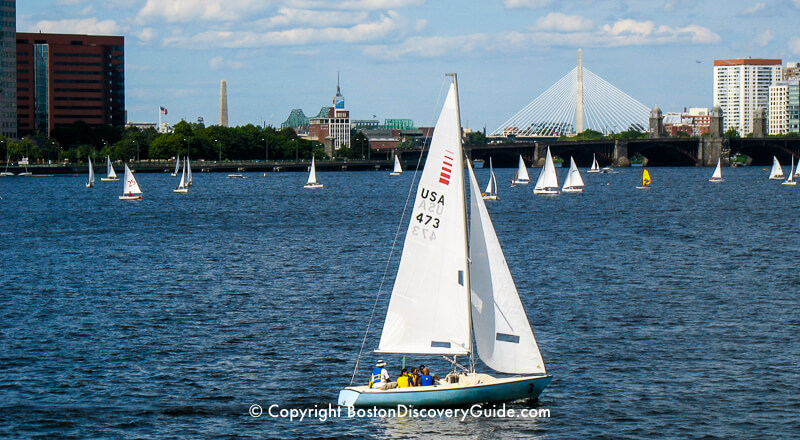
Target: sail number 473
x,y
422,229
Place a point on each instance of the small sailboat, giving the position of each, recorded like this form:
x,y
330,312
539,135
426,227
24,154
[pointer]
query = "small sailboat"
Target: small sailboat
x,y
130,187
521,177
790,180
24,162
717,176
111,175
777,171
188,164
177,166
90,183
6,173
646,181
398,169
239,176
574,182
182,187
547,183
595,166
491,187
460,273
312,177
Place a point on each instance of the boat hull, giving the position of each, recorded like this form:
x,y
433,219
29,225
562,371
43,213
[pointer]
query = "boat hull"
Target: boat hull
x,y
133,197
781,177
546,191
593,171
642,187
792,183
181,190
572,189
447,395
489,197
395,174
312,186
520,182
714,180
106,179
90,185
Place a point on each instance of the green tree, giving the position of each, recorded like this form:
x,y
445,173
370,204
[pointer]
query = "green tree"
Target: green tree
x,y
732,133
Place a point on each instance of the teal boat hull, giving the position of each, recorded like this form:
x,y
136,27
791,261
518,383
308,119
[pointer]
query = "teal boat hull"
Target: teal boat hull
x,y
503,390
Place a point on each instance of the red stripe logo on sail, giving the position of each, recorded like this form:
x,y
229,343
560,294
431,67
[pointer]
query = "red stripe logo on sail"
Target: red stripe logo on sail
x,y
447,167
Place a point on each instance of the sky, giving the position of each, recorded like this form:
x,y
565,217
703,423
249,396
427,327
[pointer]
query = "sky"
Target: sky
x,y
392,55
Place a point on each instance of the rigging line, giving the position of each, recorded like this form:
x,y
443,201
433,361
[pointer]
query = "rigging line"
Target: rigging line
x,y
394,242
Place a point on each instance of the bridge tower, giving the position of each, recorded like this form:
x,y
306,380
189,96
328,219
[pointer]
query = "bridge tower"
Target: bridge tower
x,y
579,94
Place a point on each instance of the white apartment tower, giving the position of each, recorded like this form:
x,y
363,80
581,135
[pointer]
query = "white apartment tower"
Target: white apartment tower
x,y
784,107
741,86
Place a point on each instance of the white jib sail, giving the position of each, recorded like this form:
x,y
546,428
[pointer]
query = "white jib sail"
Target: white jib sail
x,y
547,177
574,178
110,173
91,172
312,175
130,185
188,171
429,307
776,171
522,170
182,184
397,167
718,170
791,172
503,335
490,187
595,165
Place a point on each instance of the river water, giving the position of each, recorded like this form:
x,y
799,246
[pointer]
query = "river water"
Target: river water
x,y
665,313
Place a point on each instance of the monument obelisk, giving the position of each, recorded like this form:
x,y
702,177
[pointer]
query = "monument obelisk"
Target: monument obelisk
x,y
223,104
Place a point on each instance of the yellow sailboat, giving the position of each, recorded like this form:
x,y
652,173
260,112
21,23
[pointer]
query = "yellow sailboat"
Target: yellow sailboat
x,y
646,181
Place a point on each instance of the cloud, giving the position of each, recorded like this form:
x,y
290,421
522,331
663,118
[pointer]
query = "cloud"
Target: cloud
x,y
556,21
796,3
218,63
529,4
89,10
754,10
356,5
180,11
298,17
794,45
147,34
389,25
763,38
630,32
80,26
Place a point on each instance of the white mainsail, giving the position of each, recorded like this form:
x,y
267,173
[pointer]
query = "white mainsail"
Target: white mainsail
x,y
574,178
718,170
777,171
188,171
429,308
790,179
595,166
491,187
522,172
177,165
312,174
503,335
547,177
182,183
90,184
398,169
130,186
111,174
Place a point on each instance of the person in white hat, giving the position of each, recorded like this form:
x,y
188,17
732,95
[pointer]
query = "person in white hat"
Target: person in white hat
x,y
380,377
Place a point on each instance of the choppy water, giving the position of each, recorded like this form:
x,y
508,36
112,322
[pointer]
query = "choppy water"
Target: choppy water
x,y
668,313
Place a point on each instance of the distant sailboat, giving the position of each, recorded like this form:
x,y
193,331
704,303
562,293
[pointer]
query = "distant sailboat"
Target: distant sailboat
x,y
24,161
470,305
595,166
398,169
182,187
130,187
189,181
491,187
177,166
777,171
6,173
574,182
646,181
717,176
111,175
521,177
790,180
90,183
547,183
312,177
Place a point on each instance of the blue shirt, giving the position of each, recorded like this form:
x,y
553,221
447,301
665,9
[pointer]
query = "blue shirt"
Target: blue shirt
x,y
425,380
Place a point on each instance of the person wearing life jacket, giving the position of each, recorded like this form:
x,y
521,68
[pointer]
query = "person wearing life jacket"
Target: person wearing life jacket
x,y
404,381
380,377
414,377
426,379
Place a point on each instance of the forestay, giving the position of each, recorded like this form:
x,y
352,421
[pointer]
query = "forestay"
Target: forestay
x,y
429,308
503,335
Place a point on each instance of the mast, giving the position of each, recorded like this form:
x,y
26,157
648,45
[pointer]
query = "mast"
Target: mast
x,y
466,230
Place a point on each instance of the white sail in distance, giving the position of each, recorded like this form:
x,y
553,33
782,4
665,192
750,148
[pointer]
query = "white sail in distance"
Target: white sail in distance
x,y
547,177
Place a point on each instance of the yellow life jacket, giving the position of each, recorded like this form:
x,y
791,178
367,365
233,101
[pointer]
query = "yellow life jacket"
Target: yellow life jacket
x,y
403,381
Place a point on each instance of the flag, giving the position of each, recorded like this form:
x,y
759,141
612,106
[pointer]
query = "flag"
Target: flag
x,y
162,110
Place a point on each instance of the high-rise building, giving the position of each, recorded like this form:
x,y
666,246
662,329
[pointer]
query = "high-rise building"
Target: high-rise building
x,y
8,69
791,71
333,128
64,78
784,107
741,86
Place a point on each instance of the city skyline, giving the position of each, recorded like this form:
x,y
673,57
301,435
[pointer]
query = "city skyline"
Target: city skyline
x,y
392,56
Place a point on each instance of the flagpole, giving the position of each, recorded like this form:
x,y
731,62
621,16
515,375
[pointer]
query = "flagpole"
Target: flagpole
x,y
159,120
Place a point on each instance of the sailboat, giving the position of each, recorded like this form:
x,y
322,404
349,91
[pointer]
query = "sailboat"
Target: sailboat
x,y
777,171
491,187
521,177
312,177
717,176
90,183
130,187
790,180
177,165
574,182
547,183
24,162
182,187
398,169
595,166
462,276
111,175
646,181
189,181
6,173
